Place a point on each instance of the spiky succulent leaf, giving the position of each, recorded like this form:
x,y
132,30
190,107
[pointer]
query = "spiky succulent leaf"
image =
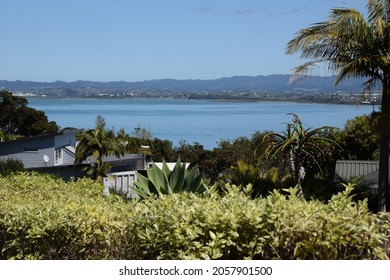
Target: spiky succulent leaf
x,y
162,181
177,176
141,186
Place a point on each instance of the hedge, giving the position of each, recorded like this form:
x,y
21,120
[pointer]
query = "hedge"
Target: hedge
x,y
42,217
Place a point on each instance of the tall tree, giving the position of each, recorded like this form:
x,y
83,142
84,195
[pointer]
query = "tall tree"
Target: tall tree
x,y
98,143
353,45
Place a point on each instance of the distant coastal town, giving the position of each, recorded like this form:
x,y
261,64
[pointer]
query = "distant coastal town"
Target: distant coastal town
x,y
314,89
339,97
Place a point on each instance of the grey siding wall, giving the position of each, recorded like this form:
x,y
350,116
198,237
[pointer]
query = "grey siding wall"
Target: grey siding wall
x,y
32,159
348,169
31,150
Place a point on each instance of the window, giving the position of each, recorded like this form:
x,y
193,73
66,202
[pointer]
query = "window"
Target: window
x,y
58,155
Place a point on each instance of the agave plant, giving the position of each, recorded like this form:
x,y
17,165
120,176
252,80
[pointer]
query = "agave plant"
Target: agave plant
x,y
163,181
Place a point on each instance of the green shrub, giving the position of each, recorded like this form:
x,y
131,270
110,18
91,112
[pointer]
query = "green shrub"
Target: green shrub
x,y
45,218
42,217
10,165
190,226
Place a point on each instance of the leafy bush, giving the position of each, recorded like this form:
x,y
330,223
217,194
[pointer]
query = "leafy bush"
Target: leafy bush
x,y
10,165
243,174
42,217
189,226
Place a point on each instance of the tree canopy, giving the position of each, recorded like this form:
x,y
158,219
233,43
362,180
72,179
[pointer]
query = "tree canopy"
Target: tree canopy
x,y
17,118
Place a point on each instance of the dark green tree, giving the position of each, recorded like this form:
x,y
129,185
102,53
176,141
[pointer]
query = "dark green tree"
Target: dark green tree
x,y
358,140
16,118
11,108
35,122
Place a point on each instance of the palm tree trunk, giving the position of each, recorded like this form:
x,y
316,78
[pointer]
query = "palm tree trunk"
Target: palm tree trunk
x,y
384,146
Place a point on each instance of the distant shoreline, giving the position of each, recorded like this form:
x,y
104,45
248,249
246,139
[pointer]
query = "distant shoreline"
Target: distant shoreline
x,y
227,100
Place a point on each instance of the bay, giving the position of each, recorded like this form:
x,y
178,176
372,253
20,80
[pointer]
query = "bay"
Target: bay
x,y
203,121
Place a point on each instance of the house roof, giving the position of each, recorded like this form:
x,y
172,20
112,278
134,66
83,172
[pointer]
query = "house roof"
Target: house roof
x,y
112,159
42,136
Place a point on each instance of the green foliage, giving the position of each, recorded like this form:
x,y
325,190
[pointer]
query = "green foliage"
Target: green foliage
x,y
143,133
193,154
17,118
45,218
157,151
98,143
243,174
164,181
10,166
3,137
300,148
358,140
214,163
42,217
234,226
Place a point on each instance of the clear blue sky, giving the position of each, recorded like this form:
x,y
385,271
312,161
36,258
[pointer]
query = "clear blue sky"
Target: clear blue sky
x,y
135,40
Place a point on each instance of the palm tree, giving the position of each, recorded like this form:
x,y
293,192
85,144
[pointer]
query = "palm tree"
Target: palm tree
x,y
300,148
98,143
353,45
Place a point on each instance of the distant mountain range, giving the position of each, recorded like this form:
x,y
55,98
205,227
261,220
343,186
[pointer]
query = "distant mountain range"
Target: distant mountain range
x,y
271,83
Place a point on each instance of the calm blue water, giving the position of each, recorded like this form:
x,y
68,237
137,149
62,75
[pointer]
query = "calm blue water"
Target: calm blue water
x,y
202,121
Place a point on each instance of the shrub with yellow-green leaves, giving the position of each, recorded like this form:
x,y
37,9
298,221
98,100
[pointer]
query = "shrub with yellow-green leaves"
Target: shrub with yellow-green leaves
x,y
45,218
233,226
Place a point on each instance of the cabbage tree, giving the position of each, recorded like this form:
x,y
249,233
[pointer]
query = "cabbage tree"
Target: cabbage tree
x,y
300,148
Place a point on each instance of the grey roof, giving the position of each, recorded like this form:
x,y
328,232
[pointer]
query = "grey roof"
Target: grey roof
x,y
41,136
112,159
